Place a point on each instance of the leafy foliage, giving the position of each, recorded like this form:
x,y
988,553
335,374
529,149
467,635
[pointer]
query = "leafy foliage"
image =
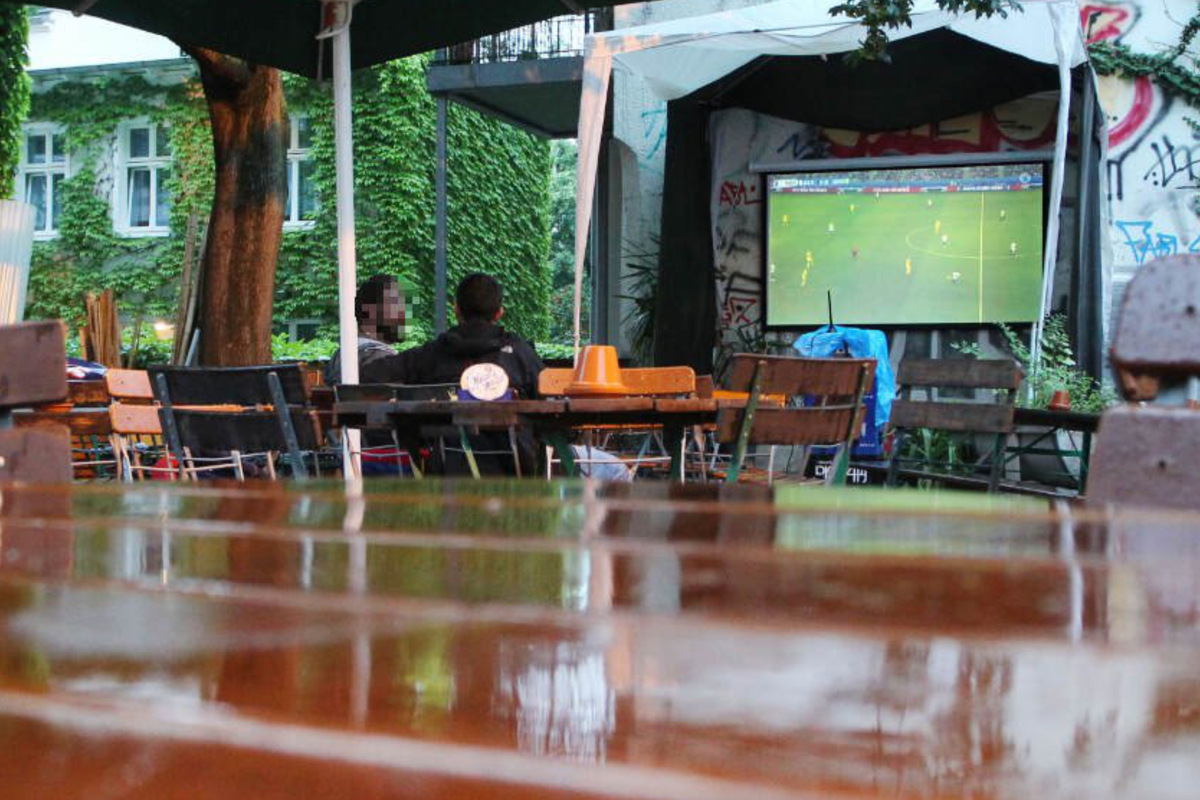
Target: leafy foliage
x,y
14,90
880,16
1055,370
498,181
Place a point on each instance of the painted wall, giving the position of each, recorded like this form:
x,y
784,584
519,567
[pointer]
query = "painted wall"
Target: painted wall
x,y
1154,155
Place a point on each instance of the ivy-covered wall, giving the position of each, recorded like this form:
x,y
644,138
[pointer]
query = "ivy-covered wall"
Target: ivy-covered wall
x,y
498,200
14,90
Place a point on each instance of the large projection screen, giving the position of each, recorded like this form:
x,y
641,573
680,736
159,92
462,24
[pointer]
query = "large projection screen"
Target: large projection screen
x,y
947,245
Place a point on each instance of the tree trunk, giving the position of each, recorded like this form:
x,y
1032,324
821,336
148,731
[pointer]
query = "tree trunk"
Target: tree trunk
x,y
250,137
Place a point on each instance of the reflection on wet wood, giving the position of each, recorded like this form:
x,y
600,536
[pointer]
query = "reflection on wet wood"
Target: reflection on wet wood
x,y
563,640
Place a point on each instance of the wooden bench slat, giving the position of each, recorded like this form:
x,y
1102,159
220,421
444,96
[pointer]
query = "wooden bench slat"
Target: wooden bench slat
x,y
960,373
958,417
788,426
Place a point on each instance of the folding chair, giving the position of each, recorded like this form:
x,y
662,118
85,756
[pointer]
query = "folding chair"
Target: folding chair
x,y
136,438
237,413
999,380
824,407
641,382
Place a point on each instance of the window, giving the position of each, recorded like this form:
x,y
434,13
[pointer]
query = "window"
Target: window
x,y
42,172
301,207
144,197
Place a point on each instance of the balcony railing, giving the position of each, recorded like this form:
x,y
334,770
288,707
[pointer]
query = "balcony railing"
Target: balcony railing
x,y
560,37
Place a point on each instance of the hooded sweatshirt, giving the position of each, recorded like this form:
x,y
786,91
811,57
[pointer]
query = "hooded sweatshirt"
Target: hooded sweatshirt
x,y
444,359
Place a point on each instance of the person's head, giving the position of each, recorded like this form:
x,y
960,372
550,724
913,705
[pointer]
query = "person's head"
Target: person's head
x,y
479,299
379,307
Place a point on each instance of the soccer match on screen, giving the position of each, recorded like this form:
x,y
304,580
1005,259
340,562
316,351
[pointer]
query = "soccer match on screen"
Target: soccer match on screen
x,y
943,245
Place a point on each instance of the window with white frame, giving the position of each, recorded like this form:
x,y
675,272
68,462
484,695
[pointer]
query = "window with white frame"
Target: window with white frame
x,y
43,169
144,172
301,208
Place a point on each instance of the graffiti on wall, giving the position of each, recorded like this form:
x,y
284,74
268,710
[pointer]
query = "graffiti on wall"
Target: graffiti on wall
x,y
1153,168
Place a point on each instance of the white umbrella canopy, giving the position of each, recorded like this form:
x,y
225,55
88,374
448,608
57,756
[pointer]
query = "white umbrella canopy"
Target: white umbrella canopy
x,y
678,57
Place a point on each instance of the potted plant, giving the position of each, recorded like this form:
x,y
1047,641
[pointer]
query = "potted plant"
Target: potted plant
x,y
1052,380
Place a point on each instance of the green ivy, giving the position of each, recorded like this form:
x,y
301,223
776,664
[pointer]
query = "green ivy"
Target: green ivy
x,y
14,91
498,201
880,16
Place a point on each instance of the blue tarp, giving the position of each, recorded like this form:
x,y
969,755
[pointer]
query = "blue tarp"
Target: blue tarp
x,y
858,343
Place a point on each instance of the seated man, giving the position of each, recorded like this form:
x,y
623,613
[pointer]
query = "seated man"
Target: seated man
x,y
379,309
477,338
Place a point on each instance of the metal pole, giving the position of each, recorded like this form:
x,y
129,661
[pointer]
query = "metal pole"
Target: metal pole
x,y
347,272
439,252
1088,334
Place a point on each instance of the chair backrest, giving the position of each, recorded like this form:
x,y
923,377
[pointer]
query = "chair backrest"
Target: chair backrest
x,y
1158,334
1146,456
211,432
832,389
130,385
641,381
242,386
134,419
1003,376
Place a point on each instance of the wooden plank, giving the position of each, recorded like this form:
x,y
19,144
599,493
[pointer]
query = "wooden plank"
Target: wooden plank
x,y
80,421
825,377
129,384
553,382
36,455
650,381
960,373
33,364
592,405
792,426
684,405
135,420
960,417
87,393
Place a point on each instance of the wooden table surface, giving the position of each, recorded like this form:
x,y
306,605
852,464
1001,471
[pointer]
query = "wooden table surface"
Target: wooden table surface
x,y
567,640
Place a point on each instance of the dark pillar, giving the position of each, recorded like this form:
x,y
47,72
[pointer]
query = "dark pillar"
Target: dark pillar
x,y
686,306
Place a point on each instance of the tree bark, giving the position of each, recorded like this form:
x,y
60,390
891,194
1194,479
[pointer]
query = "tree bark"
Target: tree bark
x,y
250,137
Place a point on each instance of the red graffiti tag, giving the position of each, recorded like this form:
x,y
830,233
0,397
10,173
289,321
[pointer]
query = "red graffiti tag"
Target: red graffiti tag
x,y
1138,113
942,138
738,308
739,194
1101,21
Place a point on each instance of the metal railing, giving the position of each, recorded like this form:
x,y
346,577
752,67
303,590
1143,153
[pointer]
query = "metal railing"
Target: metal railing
x,y
560,37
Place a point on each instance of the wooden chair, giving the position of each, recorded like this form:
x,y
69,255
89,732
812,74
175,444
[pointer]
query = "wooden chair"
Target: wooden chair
x,y
33,370
999,378
237,413
825,407
1146,456
641,382
136,428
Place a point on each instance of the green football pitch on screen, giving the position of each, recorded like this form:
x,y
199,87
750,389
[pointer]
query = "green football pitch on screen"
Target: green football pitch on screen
x,y
958,245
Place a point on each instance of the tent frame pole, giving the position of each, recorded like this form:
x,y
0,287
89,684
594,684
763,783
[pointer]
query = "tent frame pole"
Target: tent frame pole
x,y
347,269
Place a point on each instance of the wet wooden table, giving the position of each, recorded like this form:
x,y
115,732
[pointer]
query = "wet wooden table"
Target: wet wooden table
x,y
565,640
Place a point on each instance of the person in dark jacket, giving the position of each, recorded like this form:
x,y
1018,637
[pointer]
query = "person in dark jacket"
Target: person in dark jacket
x,y
477,338
379,309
